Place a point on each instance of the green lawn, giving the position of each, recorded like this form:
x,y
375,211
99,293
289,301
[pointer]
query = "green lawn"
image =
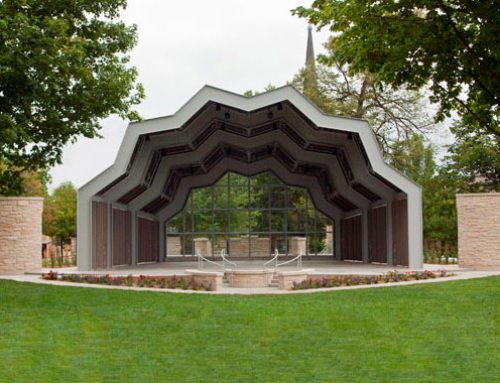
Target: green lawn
x,y
443,332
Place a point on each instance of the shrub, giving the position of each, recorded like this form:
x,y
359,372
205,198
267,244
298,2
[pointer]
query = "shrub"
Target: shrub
x,y
354,280
173,282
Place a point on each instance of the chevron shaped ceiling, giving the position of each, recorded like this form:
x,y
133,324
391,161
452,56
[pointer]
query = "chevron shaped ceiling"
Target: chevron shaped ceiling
x,y
335,159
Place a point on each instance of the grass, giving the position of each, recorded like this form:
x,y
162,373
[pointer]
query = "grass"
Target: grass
x,y
442,332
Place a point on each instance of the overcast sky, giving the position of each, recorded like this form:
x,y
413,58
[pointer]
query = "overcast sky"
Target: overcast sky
x,y
235,45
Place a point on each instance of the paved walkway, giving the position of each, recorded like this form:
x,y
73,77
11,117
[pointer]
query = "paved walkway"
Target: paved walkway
x,y
460,275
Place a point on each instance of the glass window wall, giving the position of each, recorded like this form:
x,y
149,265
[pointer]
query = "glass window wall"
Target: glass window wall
x,y
249,217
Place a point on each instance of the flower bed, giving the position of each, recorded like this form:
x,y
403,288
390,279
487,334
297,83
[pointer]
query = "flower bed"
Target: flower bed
x,y
354,280
173,282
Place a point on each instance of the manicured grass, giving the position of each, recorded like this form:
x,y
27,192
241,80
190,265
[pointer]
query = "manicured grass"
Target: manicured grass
x,y
443,332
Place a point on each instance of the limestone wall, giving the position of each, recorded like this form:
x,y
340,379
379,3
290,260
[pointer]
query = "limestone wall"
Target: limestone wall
x,y
20,234
478,230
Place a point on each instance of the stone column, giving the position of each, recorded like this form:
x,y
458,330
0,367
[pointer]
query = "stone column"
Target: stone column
x,y
478,230
202,246
20,234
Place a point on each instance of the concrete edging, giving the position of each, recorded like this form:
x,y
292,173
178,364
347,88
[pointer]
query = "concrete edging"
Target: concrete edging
x,y
254,291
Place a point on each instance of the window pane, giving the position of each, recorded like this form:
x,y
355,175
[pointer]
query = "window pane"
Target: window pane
x,y
312,244
188,246
259,197
188,221
279,242
239,221
323,223
221,218
297,197
278,199
259,221
238,197
278,219
266,178
202,198
220,243
223,181
202,221
325,243
221,200
238,180
296,220
176,224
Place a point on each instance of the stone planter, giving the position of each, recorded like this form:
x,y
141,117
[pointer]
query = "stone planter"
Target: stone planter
x,y
249,278
287,278
207,278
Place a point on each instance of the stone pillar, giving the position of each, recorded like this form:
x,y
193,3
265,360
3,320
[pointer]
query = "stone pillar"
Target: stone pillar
x,y
20,234
478,216
202,246
297,246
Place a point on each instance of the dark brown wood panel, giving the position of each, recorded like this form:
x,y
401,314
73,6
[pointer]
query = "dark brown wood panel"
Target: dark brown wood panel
x,y
351,242
122,237
148,240
99,235
400,232
377,236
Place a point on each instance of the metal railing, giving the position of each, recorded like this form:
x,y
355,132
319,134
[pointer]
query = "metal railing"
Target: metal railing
x,y
273,259
202,259
225,260
298,258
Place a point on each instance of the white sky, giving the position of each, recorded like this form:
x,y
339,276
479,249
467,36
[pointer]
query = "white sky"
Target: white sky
x,y
236,45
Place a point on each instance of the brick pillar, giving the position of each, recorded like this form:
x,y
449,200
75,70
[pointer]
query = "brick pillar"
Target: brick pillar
x,y
297,246
203,247
478,217
20,234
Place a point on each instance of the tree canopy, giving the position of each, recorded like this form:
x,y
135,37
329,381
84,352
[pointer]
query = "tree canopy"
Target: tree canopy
x,y
63,67
451,46
59,219
415,158
393,114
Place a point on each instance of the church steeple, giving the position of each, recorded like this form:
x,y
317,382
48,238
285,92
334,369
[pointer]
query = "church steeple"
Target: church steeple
x,y
309,72
310,47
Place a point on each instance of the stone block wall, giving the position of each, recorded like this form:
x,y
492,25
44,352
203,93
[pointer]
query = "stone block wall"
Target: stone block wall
x,y
20,234
203,247
478,217
239,246
174,245
297,245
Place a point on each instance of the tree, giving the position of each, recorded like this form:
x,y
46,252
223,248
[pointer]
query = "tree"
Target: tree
x,y
393,114
451,46
63,67
475,158
60,214
416,160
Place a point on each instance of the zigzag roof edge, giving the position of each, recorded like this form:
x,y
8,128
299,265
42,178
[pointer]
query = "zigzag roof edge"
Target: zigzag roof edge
x,y
285,93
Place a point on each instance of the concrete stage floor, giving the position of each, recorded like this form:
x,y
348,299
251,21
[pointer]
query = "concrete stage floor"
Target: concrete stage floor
x,y
319,266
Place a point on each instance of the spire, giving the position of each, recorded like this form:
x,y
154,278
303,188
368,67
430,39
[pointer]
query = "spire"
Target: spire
x,y
309,73
310,46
